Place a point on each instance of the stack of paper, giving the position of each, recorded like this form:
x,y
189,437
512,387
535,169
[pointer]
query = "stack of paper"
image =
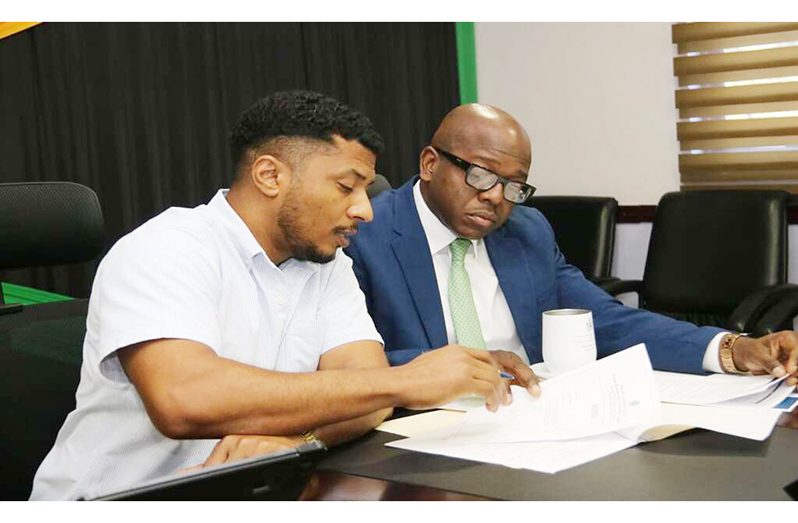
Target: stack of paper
x,y
610,405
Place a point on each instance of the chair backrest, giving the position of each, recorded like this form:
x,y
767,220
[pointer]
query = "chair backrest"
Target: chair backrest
x,y
584,227
40,358
380,184
711,249
48,223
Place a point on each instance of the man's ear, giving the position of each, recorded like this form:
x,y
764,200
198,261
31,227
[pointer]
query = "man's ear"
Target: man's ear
x,y
269,174
427,161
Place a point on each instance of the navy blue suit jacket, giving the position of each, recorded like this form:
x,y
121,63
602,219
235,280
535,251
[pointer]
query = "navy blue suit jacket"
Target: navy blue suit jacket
x,y
393,264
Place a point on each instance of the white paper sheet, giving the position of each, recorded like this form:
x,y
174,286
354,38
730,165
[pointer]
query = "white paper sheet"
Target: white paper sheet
x,y
767,399
541,456
584,415
742,422
691,389
419,424
613,393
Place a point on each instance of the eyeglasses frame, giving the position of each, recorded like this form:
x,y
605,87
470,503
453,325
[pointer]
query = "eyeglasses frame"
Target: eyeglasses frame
x,y
466,166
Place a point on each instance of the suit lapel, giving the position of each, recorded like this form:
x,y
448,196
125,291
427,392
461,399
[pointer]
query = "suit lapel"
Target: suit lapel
x,y
518,285
412,252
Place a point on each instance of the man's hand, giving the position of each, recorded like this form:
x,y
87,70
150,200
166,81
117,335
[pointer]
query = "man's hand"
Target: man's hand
x,y
515,366
775,354
235,447
442,375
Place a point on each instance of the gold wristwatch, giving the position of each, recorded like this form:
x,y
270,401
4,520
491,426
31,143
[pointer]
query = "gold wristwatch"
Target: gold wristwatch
x,y
725,354
309,437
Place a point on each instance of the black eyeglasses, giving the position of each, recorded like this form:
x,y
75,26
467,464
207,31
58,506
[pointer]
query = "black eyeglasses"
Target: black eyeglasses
x,y
483,179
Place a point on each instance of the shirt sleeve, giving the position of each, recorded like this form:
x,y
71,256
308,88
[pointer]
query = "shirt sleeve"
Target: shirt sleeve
x,y
342,311
154,285
711,361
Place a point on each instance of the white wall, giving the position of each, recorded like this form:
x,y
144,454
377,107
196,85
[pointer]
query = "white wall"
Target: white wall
x,y
598,102
596,98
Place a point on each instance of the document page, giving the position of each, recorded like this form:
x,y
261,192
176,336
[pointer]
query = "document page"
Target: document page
x,y
769,398
541,456
742,422
692,389
613,393
418,424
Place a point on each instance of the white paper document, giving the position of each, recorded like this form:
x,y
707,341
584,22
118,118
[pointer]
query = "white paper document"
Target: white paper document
x,y
691,389
419,424
769,398
554,456
613,393
542,456
594,411
743,422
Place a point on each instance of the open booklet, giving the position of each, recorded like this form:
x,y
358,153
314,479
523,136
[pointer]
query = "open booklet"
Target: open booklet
x,y
583,415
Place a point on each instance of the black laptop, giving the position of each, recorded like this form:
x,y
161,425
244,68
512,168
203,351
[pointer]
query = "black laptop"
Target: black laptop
x,y
279,476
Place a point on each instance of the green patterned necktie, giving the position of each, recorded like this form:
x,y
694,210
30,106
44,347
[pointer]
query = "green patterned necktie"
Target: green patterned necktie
x,y
461,301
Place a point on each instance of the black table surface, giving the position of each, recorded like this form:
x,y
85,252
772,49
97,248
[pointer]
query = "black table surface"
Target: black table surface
x,y
695,465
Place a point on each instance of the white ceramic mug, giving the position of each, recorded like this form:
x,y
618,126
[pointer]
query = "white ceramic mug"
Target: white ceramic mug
x,y
569,340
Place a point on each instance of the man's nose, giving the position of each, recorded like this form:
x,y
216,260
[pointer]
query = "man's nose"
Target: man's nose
x,y
360,209
495,194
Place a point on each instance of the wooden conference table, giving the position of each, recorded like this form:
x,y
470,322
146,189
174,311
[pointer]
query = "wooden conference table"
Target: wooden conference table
x,y
40,355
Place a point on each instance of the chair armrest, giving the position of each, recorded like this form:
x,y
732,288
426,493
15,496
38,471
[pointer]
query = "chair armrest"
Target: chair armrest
x,y
604,281
781,312
621,286
747,315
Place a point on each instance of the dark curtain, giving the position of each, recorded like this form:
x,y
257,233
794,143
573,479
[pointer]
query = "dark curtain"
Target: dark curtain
x,y
140,112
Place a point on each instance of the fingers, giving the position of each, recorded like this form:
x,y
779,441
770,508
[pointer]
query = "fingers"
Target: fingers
x,y
189,470
791,363
768,364
523,375
236,447
759,355
784,346
219,453
510,363
486,381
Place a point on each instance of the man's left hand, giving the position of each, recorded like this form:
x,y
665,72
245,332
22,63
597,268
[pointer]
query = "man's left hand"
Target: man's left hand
x,y
522,374
775,354
235,447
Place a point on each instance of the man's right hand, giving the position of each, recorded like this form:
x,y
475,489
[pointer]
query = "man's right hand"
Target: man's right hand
x,y
442,375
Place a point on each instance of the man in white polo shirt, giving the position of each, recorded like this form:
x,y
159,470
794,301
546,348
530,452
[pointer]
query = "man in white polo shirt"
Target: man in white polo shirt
x,y
242,320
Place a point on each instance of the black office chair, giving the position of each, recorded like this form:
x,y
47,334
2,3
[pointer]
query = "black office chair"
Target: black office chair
x,y
716,258
41,224
47,223
584,227
380,184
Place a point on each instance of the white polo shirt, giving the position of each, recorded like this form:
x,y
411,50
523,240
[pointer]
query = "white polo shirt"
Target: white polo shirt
x,y
196,274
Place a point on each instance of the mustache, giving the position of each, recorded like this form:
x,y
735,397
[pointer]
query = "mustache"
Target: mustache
x,y
348,231
488,214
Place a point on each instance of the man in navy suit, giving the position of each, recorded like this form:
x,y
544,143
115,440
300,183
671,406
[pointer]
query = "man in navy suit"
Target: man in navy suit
x,y
471,178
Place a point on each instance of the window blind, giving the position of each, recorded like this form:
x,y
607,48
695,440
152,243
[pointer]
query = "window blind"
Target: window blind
x,y
737,100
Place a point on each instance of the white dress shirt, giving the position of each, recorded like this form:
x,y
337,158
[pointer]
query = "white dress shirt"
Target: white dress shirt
x,y
196,274
498,327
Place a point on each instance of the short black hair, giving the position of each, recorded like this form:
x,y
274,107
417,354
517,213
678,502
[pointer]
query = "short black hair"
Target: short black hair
x,y
300,114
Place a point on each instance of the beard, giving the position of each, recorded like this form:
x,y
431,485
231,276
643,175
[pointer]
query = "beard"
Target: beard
x,y
289,219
